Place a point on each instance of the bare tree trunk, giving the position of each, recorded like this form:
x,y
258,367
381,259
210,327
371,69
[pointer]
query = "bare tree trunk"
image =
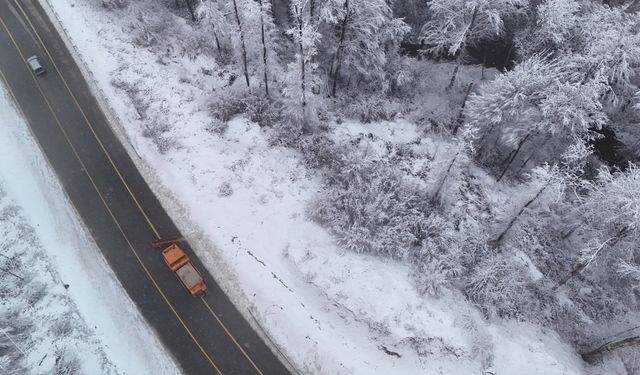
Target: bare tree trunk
x,y
215,36
534,152
484,63
302,62
568,233
634,7
312,8
193,15
453,76
609,347
526,161
339,51
526,205
446,175
482,140
513,156
11,273
244,49
264,50
460,118
455,70
506,59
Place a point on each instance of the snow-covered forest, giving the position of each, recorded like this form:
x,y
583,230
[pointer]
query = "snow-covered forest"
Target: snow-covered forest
x,y
520,191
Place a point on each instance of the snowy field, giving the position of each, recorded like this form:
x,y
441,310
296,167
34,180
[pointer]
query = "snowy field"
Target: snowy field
x,y
242,204
62,310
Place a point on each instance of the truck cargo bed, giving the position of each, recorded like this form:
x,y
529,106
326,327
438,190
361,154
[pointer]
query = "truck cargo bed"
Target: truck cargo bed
x,y
189,276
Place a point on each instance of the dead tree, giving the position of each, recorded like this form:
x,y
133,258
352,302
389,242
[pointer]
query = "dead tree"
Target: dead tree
x,y
500,237
599,352
264,49
242,45
298,16
191,11
512,156
460,118
444,178
312,8
466,33
337,58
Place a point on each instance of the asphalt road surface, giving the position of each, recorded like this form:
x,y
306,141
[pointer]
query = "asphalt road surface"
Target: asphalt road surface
x,y
206,335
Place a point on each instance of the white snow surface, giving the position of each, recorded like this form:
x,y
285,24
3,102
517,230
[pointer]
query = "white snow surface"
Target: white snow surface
x,y
93,319
329,311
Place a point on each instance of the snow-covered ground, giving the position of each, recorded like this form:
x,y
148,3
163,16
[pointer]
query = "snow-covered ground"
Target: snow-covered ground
x,y
64,308
242,202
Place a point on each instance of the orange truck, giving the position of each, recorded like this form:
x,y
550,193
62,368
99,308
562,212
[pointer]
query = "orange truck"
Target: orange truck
x,y
180,264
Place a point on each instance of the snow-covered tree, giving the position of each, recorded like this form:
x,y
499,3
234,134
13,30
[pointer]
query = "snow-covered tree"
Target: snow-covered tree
x,y
556,19
365,32
301,72
552,28
609,53
212,17
545,179
454,24
261,40
536,103
609,228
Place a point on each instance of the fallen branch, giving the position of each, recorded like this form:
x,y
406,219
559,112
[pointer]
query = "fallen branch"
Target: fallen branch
x,y
11,273
609,347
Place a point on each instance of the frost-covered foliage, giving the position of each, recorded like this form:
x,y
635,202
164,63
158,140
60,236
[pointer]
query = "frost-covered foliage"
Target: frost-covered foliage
x,y
373,208
372,108
599,46
533,113
300,90
455,24
213,21
609,216
377,201
610,51
551,29
366,32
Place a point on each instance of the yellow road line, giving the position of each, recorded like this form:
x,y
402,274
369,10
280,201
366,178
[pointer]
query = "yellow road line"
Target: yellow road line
x,y
118,172
86,171
88,122
230,336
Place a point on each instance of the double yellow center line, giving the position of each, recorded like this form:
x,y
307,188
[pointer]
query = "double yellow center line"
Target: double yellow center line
x,y
120,176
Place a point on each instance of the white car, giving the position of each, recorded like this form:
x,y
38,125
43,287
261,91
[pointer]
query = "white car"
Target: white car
x,y
35,65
